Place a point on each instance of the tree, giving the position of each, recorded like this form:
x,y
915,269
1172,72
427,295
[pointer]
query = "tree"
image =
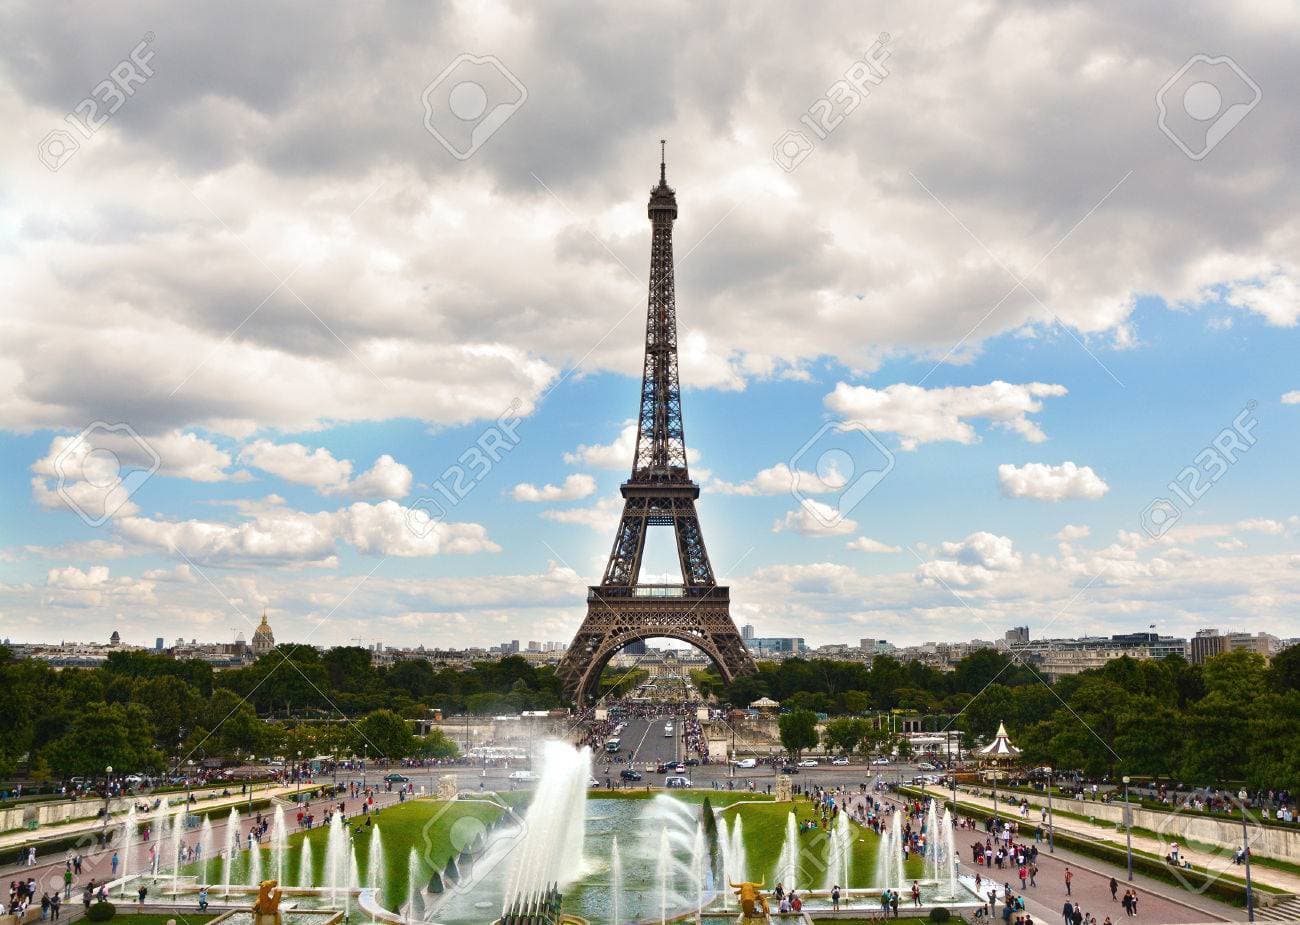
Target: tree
x,y
385,733
798,731
844,735
104,735
437,745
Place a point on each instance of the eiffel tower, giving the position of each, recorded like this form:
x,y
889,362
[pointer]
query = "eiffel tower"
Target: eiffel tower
x,y
660,492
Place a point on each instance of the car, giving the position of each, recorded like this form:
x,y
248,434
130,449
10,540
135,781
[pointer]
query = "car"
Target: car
x,y
789,769
747,763
840,760
592,782
933,779
679,768
523,775
808,763
396,779
663,767
881,760
677,781
925,766
692,762
630,774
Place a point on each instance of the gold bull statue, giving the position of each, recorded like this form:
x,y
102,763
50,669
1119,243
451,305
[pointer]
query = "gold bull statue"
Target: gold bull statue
x,y
751,900
266,911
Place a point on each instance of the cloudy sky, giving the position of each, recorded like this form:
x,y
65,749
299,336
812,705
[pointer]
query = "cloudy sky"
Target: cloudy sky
x,y
988,315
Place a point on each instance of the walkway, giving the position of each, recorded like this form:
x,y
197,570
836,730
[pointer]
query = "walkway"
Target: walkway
x,y
1219,862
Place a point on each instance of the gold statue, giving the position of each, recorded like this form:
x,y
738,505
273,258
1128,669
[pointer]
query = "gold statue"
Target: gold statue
x,y
266,911
751,900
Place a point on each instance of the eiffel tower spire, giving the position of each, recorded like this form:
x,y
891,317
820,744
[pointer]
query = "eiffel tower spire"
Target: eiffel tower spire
x,y
659,492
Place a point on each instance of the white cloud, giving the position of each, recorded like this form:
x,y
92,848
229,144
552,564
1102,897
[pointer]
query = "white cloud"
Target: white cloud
x,y
813,518
282,535
320,470
866,544
576,486
94,587
1043,482
919,415
1291,398
615,455
781,479
602,516
1071,532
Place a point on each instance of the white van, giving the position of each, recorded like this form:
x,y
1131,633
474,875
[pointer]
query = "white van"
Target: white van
x,y
676,781
747,763
523,775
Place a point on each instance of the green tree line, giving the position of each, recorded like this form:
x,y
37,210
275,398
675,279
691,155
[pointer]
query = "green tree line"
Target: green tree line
x,y
142,711
1234,718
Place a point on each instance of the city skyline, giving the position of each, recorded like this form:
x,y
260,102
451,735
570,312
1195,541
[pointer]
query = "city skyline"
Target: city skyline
x,y
295,313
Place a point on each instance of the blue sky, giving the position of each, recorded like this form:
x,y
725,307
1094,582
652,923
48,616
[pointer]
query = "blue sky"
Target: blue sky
x,y
303,298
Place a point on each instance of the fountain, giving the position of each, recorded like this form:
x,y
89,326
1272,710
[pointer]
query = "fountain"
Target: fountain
x,y
128,842
933,841
336,856
279,842
550,853
950,854
787,864
204,849
412,883
840,853
255,866
375,862
306,867
616,884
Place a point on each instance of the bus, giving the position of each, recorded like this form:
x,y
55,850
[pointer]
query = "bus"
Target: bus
x,y
613,745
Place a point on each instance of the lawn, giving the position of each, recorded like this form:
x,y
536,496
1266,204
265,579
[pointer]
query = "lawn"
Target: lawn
x,y
765,826
132,918
436,830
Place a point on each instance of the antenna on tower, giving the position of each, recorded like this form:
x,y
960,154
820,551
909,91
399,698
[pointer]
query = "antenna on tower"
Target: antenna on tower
x,y
663,157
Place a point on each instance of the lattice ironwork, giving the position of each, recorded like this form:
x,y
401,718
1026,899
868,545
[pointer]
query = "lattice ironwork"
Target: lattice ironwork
x,y
658,493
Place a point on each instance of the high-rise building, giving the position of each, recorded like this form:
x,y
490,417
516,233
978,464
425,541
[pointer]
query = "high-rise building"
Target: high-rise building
x,y
158,644
1206,644
747,631
1017,636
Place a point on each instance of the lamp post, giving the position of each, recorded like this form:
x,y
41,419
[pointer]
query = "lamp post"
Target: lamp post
x,y
108,780
1128,828
1051,818
297,772
1245,852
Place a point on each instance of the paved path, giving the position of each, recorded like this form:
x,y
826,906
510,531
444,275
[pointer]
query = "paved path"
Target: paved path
x,y
1219,862
1090,887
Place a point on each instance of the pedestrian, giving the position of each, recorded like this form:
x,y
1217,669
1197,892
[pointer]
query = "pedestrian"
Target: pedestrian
x,y
1033,872
45,906
31,856
114,862
67,881
141,894
835,898
1114,888
1067,913
1069,879
55,905
1024,876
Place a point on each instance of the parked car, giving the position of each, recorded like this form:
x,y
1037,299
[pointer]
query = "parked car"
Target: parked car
x,y
523,775
396,778
840,760
924,766
747,763
630,774
808,763
677,781
880,760
789,769
679,768
592,782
